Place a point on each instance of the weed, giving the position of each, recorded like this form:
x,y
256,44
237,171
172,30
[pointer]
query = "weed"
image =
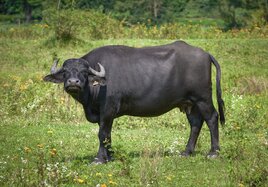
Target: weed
x,y
252,85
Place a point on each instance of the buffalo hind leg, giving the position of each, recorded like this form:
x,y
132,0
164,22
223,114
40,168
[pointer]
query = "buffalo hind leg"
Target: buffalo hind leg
x,y
196,121
104,153
210,115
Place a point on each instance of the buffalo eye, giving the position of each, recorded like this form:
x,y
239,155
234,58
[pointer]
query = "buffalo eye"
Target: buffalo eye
x,y
84,73
66,74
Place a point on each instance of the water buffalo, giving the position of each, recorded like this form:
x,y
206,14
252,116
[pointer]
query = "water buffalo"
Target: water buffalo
x,y
117,80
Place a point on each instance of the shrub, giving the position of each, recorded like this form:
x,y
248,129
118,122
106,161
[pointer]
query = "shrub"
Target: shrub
x,y
70,24
63,22
101,26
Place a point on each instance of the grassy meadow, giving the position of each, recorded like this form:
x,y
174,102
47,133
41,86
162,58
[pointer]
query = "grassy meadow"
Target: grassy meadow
x,y
45,139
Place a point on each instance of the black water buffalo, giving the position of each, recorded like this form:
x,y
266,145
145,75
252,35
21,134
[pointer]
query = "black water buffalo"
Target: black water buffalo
x,y
117,80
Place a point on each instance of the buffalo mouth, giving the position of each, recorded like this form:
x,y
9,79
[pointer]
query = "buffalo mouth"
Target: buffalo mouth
x,y
73,89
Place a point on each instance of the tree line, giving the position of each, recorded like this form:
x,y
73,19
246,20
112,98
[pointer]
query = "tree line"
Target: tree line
x,y
234,13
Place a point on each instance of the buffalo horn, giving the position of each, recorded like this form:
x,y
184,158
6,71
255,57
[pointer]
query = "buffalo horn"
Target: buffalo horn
x,y
100,73
54,66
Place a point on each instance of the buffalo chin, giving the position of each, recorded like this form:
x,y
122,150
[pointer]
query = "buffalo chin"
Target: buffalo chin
x,y
73,89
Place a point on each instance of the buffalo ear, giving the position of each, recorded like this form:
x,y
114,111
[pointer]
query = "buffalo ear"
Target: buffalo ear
x,y
54,77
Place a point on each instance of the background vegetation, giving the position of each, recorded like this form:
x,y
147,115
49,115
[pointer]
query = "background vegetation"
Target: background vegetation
x,y
224,13
46,140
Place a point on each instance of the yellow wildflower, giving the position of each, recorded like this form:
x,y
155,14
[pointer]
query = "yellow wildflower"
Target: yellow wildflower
x,y
112,182
103,185
40,146
237,127
81,181
53,152
30,81
39,77
27,149
168,178
98,174
23,87
110,175
62,100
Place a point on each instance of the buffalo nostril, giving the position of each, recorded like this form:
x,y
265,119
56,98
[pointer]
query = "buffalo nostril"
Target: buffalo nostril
x,y
73,81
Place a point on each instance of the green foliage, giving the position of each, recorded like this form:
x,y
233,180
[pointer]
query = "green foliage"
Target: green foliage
x,y
234,13
63,22
76,26
241,13
68,24
27,9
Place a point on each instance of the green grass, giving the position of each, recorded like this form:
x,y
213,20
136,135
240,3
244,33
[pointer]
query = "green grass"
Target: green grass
x,y
144,157
46,140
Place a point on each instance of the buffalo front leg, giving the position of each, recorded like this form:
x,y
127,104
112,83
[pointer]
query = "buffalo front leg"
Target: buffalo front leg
x,y
104,153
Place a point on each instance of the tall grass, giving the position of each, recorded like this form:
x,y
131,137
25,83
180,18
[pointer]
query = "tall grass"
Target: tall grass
x,y
77,25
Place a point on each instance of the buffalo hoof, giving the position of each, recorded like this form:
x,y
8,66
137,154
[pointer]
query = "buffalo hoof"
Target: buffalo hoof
x,y
213,154
185,154
98,161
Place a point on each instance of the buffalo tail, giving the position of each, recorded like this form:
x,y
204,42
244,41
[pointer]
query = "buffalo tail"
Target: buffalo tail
x,y
218,88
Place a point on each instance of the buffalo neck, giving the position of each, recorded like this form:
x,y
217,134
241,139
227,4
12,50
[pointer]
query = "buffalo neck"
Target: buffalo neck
x,y
82,97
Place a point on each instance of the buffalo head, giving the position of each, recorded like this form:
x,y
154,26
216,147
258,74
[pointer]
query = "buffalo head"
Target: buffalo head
x,y
74,73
